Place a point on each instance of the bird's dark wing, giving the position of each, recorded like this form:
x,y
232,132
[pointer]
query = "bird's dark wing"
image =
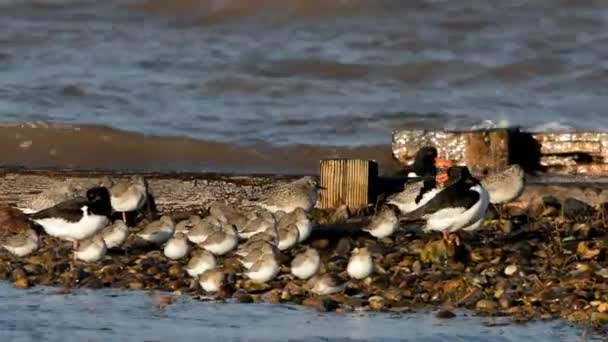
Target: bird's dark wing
x,y
454,196
70,210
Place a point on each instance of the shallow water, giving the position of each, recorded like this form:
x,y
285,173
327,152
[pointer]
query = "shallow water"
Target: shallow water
x,y
287,73
114,315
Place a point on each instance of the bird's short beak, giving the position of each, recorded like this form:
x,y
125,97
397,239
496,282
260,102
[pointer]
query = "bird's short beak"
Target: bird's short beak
x,y
443,163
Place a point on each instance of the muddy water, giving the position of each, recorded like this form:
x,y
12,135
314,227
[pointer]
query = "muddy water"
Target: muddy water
x,y
289,80
111,315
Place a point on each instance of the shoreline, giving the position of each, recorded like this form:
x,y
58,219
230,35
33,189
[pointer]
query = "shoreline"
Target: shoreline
x,y
547,262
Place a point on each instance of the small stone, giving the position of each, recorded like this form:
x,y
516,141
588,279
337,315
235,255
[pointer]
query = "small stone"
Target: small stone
x,y
486,305
510,270
273,296
321,304
175,270
445,314
575,209
417,266
293,289
20,279
376,303
320,244
603,307
242,297
344,246
135,285
599,317
504,302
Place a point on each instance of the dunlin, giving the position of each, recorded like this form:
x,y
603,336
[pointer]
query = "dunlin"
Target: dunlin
x,y
159,231
506,185
115,234
262,222
205,227
51,197
288,236
177,247
227,214
212,280
264,270
384,223
255,245
91,249
252,257
77,219
462,205
222,241
129,195
300,218
325,284
184,226
302,193
360,265
306,264
201,261
16,232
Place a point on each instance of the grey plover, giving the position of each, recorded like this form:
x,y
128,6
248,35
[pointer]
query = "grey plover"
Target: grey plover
x,y
302,193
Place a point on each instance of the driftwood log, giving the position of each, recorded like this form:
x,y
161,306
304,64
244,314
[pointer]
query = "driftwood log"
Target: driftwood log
x,y
191,192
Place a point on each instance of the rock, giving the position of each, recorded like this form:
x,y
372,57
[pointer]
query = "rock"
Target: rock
x,y
135,285
552,202
510,270
376,303
599,317
587,252
321,304
344,246
575,209
20,280
320,244
273,296
253,287
603,307
356,302
486,305
175,270
445,314
293,289
242,297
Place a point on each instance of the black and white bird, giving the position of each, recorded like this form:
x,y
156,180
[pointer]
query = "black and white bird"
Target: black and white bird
x,y
461,205
424,181
77,219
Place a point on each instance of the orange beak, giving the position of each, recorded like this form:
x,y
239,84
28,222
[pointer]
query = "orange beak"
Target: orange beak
x,y
442,165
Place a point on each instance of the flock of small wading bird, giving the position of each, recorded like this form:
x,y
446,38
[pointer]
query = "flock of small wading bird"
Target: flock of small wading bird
x,y
440,196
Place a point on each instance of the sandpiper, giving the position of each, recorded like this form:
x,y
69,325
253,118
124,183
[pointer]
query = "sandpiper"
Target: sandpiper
x,y
384,223
252,257
505,186
462,205
201,261
129,195
325,284
222,241
177,247
16,232
115,234
205,227
260,223
256,245
91,249
265,269
306,264
212,280
360,265
77,219
288,236
227,214
423,183
159,231
184,226
300,218
51,197
302,193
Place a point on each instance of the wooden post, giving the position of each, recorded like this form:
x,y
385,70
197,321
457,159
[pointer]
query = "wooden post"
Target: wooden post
x,y
487,150
347,181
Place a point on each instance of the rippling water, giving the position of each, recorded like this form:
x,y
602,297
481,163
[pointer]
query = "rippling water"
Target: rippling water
x,y
112,315
303,72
